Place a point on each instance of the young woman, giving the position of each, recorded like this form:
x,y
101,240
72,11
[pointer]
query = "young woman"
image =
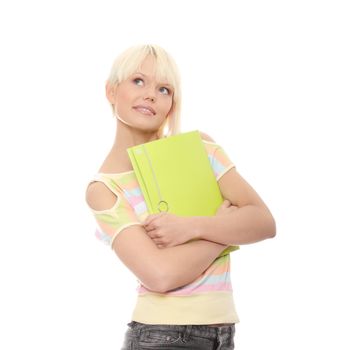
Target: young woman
x,y
185,294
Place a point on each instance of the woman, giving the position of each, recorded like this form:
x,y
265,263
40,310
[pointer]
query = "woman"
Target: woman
x,y
185,294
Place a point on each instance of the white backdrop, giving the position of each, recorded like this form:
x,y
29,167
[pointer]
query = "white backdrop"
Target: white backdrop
x,y
268,80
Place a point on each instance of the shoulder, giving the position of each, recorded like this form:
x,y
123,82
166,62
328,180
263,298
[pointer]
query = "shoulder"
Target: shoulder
x,y
99,197
114,162
206,137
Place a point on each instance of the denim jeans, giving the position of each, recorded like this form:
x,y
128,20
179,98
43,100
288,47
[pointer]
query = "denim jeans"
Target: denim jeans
x,y
140,336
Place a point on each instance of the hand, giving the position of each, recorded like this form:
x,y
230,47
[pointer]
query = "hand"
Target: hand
x,y
226,208
168,230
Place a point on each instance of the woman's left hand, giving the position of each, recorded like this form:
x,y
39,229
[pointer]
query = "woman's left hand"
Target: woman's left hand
x,y
168,230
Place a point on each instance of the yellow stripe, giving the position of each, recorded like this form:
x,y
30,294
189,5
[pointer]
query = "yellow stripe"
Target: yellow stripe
x,y
206,308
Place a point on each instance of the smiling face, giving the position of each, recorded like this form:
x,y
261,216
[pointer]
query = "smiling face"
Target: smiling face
x,y
141,101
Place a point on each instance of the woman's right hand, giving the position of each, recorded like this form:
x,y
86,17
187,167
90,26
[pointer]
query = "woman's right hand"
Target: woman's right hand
x,y
226,208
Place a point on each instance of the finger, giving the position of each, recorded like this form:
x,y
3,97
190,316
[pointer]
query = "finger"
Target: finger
x,y
226,203
150,227
158,241
150,218
153,234
154,225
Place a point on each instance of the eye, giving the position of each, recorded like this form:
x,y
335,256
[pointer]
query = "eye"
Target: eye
x,y
137,81
167,91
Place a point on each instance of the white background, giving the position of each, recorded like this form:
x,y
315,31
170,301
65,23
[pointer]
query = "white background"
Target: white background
x,y
268,80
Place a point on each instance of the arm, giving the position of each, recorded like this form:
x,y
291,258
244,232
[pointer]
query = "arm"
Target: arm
x,y
250,222
164,269
157,269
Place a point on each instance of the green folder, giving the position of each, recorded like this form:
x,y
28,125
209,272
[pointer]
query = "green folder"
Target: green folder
x,y
175,175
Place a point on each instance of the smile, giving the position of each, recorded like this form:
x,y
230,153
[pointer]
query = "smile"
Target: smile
x,y
145,110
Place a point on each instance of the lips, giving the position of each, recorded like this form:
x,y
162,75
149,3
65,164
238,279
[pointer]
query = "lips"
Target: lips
x,y
145,109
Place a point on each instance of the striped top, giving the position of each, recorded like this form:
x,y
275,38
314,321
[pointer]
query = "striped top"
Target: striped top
x,y
206,300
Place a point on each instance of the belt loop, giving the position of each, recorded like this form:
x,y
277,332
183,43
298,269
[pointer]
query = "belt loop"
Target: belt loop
x,y
230,331
136,328
138,332
187,333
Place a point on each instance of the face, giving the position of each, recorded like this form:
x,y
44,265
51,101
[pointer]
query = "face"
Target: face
x,y
142,102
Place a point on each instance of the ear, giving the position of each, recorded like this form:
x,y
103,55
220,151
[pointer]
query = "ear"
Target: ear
x,y
110,92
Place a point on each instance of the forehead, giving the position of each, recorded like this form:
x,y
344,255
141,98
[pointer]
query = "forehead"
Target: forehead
x,y
148,65
153,69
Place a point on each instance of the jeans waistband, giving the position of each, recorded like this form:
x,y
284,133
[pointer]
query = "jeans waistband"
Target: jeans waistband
x,y
186,330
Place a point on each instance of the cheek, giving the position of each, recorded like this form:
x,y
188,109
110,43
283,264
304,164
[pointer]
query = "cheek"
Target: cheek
x,y
167,106
124,100
125,95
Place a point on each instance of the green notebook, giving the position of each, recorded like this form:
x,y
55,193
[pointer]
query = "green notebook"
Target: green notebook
x,y
175,175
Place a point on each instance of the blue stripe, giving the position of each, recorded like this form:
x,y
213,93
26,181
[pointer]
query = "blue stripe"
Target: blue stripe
x,y
100,235
217,167
211,280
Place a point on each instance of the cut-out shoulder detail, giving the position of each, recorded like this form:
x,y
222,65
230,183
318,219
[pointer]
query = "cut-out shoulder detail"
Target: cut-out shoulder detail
x,y
112,216
99,197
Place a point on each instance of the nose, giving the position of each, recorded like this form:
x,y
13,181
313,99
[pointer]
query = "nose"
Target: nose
x,y
150,95
150,98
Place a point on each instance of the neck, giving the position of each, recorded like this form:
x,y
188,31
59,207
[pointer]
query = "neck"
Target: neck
x,y
125,137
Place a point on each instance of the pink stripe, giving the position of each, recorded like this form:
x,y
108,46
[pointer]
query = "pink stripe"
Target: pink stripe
x,y
135,200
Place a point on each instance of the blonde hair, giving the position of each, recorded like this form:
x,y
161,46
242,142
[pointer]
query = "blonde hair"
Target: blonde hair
x,y
129,61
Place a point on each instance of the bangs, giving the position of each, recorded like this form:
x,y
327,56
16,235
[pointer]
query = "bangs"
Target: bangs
x,y
131,61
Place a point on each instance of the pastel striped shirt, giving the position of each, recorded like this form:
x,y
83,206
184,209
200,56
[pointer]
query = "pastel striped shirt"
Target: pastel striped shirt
x,y
206,300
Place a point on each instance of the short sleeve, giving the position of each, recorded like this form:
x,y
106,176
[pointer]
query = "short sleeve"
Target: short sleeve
x,y
218,158
112,221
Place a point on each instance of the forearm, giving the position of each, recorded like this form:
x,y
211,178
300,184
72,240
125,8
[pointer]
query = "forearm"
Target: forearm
x,y
184,263
245,225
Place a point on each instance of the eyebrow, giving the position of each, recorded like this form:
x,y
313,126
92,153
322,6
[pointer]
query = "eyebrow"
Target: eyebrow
x,y
148,77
